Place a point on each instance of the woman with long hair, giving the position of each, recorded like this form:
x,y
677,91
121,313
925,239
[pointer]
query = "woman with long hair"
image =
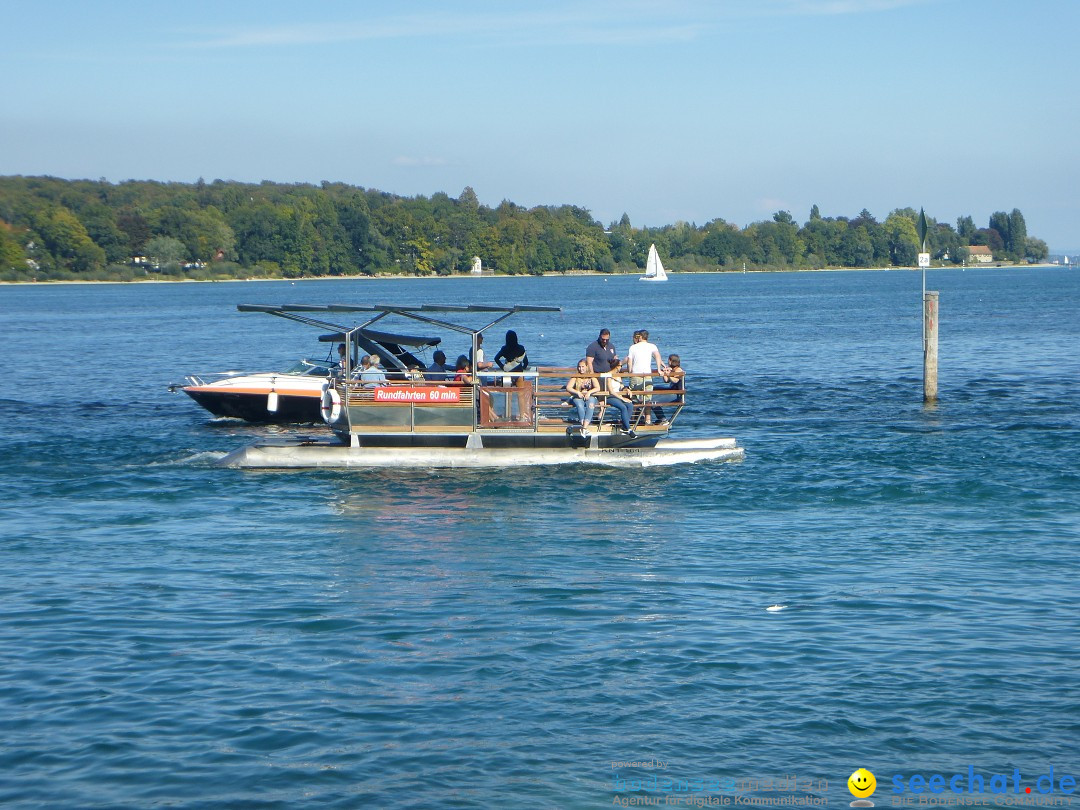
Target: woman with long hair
x,y
617,399
583,388
512,358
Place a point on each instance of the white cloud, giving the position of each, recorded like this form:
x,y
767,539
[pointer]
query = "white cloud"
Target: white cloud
x,y
598,23
595,24
816,7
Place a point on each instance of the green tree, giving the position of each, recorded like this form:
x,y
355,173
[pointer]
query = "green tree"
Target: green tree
x,y
999,222
66,239
723,243
167,252
902,237
264,232
1017,234
100,223
136,230
946,242
879,238
857,249
204,232
816,236
1036,250
991,238
12,256
776,243
354,216
468,199
334,228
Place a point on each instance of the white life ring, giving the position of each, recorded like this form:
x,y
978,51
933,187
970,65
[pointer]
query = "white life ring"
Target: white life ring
x,y
330,405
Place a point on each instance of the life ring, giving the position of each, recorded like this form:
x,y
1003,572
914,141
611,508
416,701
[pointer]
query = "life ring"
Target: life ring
x,y
330,405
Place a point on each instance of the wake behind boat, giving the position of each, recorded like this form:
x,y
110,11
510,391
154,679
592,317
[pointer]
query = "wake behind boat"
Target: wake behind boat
x,y
654,268
480,418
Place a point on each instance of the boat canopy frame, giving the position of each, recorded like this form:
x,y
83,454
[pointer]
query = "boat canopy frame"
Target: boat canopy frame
x,y
370,339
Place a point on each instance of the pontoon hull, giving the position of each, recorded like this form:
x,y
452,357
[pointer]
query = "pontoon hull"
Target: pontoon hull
x,y
307,454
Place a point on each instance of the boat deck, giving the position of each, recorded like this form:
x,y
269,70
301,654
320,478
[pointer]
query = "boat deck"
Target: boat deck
x,y
533,402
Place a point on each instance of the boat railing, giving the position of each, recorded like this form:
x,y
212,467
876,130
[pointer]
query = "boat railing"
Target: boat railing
x,y
317,369
211,377
534,400
553,401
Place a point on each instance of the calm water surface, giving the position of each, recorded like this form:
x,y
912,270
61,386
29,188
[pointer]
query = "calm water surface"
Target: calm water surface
x,y
177,635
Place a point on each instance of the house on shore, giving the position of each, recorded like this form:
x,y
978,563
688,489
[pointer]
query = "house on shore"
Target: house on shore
x,y
980,253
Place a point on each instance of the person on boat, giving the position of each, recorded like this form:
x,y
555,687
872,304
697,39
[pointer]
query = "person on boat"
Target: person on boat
x,y
370,374
583,389
511,356
462,373
481,364
601,354
617,399
338,369
675,377
639,362
438,369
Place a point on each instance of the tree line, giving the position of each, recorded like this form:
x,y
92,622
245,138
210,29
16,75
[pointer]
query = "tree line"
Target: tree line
x,y
55,229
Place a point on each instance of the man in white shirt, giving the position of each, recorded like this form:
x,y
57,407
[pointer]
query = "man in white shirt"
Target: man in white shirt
x,y
639,361
479,363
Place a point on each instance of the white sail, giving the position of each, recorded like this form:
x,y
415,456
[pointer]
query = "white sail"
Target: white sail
x,y
654,268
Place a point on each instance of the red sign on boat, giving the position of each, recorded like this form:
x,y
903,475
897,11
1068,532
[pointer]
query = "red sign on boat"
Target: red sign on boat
x,y
420,396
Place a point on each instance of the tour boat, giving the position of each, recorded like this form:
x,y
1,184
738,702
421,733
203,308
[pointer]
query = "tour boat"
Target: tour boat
x,y
489,418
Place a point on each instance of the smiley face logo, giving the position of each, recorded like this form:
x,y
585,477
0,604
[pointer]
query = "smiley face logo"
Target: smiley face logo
x,y
862,783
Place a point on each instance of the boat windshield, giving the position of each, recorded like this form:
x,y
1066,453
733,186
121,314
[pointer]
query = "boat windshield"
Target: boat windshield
x,y
310,368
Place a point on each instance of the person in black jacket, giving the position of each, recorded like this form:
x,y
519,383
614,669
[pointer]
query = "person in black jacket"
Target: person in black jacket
x,y
512,358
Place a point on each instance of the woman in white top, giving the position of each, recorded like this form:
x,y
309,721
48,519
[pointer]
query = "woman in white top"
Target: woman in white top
x,y
617,399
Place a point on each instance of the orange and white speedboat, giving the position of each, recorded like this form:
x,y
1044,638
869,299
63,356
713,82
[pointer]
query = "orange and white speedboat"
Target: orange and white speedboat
x,y
295,394
292,395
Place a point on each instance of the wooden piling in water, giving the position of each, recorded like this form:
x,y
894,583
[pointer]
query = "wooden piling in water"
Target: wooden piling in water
x,y
930,341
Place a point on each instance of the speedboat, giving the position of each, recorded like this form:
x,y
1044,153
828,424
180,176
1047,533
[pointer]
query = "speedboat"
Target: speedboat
x,y
295,394
484,419
292,395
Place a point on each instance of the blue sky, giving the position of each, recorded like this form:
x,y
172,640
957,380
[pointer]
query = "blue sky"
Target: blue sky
x,y
668,110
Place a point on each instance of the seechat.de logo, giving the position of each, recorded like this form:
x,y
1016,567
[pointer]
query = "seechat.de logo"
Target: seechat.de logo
x,y
862,784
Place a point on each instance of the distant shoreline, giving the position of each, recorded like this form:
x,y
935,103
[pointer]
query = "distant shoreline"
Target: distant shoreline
x,y
552,274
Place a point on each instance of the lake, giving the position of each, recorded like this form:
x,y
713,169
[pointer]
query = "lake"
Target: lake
x,y
177,634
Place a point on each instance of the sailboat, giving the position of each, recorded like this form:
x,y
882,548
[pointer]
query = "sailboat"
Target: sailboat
x,y
654,268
